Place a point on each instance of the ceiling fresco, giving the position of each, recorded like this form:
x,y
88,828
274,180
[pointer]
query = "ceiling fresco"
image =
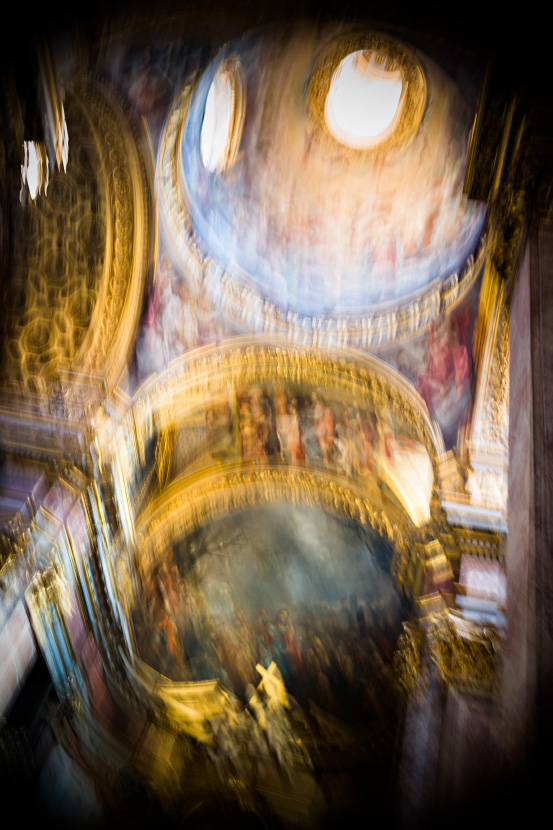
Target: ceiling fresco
x,y
275,582
440,365
311,224
438,361
294,232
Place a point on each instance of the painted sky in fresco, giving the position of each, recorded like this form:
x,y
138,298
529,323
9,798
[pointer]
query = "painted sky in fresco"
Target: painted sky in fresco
x,y
318,228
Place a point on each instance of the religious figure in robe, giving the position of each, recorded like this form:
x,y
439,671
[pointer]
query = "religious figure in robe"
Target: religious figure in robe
x,y
444,382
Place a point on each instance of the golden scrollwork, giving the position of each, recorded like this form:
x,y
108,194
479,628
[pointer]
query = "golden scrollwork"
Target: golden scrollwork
x,y
75,294
187,504
465,654
58,264
408,565
408,660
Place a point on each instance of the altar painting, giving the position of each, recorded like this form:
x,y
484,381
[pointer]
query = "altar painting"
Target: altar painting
x,y
307,591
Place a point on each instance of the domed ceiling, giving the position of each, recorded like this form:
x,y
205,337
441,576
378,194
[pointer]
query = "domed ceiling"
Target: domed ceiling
x,y
306,199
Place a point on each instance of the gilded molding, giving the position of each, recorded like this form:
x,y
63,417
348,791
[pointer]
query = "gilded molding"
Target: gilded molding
x,y
495,429
187,504
465,654
481,543
111,335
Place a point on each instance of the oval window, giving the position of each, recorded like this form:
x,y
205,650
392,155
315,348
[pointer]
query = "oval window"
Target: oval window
x,y
223,117
365,99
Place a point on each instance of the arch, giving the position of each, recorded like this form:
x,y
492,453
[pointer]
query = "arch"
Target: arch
x,y
409,441
186,504
130,242
187,507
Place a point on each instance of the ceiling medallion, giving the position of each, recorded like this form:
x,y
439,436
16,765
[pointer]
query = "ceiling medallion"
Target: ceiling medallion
x,y
223,117
367,91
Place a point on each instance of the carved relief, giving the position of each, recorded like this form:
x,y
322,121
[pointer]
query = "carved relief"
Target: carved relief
x,y
466,655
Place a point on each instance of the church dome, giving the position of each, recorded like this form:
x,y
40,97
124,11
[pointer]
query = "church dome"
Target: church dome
x,y
338,184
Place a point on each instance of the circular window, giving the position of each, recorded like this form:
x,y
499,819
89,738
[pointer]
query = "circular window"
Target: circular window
x,y
223,117
365,99
367,91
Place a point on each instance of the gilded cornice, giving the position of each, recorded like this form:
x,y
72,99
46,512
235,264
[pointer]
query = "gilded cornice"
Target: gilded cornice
x,y
486,544
188,503
465,656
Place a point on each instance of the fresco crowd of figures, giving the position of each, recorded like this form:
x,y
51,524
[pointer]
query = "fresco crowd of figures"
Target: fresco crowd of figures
x,y
302,430
339,658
